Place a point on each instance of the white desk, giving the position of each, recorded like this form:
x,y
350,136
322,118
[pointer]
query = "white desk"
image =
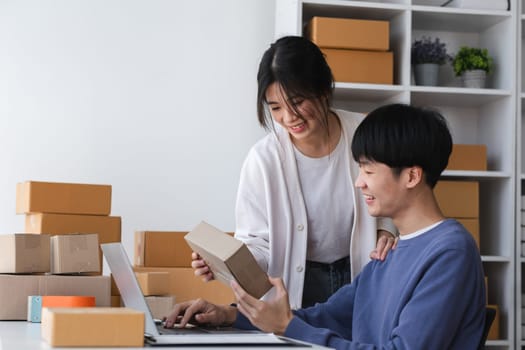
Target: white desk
x,y
22,335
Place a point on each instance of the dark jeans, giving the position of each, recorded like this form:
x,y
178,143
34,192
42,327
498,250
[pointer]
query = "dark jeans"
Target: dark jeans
x,y
323,280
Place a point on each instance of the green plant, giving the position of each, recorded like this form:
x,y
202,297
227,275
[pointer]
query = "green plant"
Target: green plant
x,y
470,58
427,50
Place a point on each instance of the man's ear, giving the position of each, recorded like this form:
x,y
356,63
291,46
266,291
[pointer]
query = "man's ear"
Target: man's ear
x,y
415,176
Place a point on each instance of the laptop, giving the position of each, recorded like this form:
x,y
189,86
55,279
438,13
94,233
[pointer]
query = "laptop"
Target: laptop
x,y
156,334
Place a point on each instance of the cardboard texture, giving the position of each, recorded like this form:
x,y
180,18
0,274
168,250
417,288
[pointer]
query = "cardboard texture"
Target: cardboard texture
x,y
116,301
472,226
93,327
458,199
161,249
494,329
184,285
468,157
153,283
76,253
346,33
160,306
24,253
62,198
13,306
357,66
35,303
228,258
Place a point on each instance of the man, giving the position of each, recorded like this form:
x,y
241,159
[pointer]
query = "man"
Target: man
x,y
429,292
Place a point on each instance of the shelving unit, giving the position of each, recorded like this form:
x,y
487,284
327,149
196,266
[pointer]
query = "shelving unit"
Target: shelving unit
x,y
476,116
520,171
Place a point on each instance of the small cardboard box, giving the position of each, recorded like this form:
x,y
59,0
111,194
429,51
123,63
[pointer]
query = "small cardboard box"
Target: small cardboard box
x,y
472,226
184,285
13,305
228,258
494,328
35,303
153,283
24,253
458,199
468,157
358,66
93,326
62,198
76,253
160,306
161,249
346,33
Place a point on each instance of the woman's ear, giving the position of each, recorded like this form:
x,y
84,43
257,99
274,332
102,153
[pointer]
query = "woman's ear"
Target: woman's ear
x,y
415,176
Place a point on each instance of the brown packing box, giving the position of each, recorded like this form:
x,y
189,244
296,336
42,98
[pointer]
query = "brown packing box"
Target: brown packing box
x,y
468,157
116,301
93,326
184,285
24,253
458,199
472,226
160,306
153,283
62,198
75,253
114,288
228,258
345,33
14,290
494,329
357,66
161,249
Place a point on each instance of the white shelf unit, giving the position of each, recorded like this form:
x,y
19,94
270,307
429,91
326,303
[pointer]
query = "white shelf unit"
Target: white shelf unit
x,y
520,163
476,116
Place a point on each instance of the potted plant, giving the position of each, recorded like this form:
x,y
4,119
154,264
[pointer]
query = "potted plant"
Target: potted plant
x,y
472,64
426,56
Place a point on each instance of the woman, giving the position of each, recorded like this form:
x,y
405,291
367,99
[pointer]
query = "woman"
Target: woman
x,y
296,207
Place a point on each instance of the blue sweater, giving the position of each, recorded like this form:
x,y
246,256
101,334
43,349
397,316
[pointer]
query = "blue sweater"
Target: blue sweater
x,y
429,293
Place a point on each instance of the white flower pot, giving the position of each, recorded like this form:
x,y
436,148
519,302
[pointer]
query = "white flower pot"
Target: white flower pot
x,y
474,78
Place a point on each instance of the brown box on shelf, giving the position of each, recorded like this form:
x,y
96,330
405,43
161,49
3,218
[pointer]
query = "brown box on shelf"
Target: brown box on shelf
x,y
161,249
24,253
153,283
62,198
358,66
75,253
494,329
458,199
13,306
472,226
160,306
468,157
184,285
228,258
107,327
346,33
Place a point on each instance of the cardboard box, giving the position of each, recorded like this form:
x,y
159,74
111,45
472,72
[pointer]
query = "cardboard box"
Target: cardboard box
x,y
494,329
93,326
184,285
468,157
160,306
62,198
153,283
35,303
161,249
13,305
24,253
76,253
228,258
116,301
345,33
472,226
355,66
458,199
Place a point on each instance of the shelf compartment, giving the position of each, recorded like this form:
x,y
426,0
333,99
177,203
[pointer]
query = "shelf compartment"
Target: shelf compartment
x,y
456,96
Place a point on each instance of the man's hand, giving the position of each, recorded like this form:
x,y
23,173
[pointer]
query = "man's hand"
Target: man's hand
x,y
385,242
271,316
201,312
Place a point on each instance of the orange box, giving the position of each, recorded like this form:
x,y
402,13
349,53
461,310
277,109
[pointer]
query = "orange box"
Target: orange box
x,y
153,282
186,286
494,329
24,253
93,326
35,303
345,33
458,199
472,226
355,66
468,157
62,198
161,249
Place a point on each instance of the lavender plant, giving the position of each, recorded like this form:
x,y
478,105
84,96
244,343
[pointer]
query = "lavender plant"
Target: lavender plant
x,y
427,50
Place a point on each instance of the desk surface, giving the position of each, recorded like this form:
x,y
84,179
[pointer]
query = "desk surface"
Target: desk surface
x,y
26,335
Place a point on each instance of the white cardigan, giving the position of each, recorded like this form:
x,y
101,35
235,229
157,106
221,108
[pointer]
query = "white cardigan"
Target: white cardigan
x,y
271,214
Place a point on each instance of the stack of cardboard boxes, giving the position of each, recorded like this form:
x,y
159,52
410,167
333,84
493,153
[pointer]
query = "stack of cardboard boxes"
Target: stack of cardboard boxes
x,y
356,50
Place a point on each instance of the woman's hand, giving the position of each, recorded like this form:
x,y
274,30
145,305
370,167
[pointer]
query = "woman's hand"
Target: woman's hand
x,y
201,312
269,316
385,242
201,268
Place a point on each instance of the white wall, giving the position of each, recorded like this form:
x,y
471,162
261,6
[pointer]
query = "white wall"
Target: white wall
x,y
156,98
